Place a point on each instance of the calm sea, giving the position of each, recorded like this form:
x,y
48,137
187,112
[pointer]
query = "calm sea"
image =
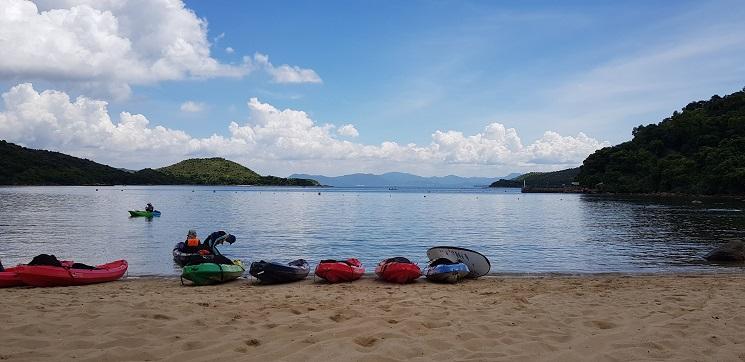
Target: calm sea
x,y
519,233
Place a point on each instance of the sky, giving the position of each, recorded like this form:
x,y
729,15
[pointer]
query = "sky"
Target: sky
x,y
472,88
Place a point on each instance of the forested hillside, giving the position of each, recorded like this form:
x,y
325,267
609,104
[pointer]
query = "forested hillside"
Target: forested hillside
x,y
700,150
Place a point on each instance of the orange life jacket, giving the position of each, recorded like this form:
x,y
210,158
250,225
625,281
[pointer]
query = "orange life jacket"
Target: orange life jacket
x,y
192,242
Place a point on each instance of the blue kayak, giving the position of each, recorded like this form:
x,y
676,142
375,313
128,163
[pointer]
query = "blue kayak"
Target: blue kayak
x,y
446,271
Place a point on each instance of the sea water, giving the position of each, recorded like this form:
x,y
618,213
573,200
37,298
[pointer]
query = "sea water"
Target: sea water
x,y
519,233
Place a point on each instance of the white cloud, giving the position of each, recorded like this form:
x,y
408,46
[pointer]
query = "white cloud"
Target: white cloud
x,y
286,73
51,120
109,45
192,107
348,130
83,127
229,50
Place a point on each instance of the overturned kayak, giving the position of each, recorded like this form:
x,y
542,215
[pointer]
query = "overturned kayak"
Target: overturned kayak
x,y
136,213
274,273
335,271
9,278
444,270
212,273
478,265
70,274
398,270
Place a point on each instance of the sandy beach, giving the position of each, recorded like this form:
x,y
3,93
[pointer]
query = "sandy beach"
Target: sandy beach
x,y
685,318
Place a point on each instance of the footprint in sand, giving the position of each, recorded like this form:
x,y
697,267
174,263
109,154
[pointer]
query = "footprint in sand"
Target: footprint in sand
x,y
338,317
435,324
601,324
192,345
252,342
365,341
162,317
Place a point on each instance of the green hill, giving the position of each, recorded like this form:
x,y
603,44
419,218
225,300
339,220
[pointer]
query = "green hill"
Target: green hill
x,y
219,171
700,150
212,171
541,179
25,166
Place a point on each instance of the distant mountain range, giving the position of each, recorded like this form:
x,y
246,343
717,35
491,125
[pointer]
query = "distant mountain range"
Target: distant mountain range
x,y
400,179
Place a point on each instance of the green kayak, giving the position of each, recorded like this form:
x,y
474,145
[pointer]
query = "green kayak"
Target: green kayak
x,y
211,273
144,213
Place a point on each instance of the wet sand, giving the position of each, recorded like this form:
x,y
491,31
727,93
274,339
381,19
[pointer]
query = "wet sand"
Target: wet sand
x,y
682,318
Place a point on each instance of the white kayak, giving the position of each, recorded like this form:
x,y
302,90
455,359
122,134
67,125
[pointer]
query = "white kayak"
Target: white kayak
x,y
477,263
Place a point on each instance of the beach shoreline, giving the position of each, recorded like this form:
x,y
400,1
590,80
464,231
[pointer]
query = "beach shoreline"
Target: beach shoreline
x,y
588,317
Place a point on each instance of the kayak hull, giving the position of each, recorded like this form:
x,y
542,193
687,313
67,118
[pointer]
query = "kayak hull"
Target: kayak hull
x,y
275,273
397,272
9,278
55,276
340,271
212,273
447,273
143,213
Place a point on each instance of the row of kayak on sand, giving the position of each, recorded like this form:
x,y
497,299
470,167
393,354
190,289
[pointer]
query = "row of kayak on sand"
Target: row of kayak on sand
x,y
46,271
396,270
206,265
203,264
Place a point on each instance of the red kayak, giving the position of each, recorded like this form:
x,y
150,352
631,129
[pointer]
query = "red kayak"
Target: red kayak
x,y
398,270
340,271
9,278
56,276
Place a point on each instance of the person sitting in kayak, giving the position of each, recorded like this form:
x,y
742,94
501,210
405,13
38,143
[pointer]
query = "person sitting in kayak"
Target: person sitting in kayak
x,y
149,207
192,243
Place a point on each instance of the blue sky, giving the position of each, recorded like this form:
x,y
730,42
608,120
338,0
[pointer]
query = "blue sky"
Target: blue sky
x,y
402,71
